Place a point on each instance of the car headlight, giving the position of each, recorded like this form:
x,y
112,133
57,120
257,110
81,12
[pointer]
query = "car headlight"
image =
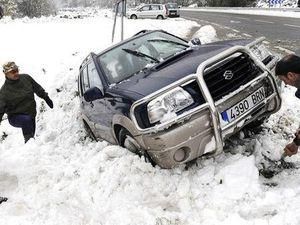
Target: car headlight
x,y
261,51
165,106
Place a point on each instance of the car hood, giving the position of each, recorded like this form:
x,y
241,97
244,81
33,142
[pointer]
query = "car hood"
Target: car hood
x,y
145,83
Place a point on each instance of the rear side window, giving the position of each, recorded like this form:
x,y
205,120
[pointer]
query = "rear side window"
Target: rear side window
x,y
79,84
85,79
146,8
155,7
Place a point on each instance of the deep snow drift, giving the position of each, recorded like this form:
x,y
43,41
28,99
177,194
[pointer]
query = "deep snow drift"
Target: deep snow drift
x,y
62,177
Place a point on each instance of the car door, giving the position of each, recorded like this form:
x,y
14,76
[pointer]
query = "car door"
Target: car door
x,y
155,11
95,111
85,106
144,12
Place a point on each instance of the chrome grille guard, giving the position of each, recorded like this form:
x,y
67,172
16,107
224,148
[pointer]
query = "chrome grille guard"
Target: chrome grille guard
x,y
209,104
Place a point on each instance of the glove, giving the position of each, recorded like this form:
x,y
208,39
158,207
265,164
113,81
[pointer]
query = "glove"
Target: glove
x,y
291,149
49,102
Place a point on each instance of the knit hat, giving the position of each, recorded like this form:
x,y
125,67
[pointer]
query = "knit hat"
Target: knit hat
x,y
9,66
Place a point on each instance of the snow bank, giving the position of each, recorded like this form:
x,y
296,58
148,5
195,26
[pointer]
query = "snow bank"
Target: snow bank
x,y
265,12
206,34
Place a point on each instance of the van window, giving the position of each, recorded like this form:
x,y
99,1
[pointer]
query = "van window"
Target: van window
x,y
146,8
155,7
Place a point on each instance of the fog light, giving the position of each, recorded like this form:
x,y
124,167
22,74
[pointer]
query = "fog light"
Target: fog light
x,y
272,105
180,155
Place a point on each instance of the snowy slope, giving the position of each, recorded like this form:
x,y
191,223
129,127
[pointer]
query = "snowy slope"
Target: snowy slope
x,y
62,177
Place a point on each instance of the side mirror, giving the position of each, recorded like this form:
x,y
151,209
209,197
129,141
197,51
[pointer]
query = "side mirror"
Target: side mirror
x,y
195,41
92,94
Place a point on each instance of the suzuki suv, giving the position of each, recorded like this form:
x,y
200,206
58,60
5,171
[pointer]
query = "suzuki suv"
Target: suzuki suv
x,y
161,98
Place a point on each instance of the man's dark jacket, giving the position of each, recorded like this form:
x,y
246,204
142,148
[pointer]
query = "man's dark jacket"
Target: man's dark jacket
x,y
17,96
1,12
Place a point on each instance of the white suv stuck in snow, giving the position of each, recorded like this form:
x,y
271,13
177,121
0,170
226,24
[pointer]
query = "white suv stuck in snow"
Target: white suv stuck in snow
x,y
148,11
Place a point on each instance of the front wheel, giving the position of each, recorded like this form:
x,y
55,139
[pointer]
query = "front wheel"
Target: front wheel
x,y
126,140
160,17
134,17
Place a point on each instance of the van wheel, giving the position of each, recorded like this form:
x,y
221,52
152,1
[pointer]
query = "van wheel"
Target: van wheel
x,y
160,17
134,17
89,131
126,140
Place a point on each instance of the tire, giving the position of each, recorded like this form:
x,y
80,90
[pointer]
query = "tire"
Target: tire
x,y
256,126
89,131
127,141
160,17
134,17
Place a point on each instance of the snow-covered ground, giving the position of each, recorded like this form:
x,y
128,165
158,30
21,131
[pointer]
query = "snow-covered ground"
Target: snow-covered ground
x,y
62,177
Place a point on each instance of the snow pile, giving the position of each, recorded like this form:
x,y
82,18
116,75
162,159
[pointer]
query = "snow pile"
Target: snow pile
x,y
62,177
253,11
206,34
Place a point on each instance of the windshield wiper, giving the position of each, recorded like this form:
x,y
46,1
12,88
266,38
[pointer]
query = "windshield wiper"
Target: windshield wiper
x,y
168,41
140,54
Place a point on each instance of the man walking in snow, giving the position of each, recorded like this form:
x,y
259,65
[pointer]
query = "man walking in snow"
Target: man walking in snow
x,y
17,99
288,70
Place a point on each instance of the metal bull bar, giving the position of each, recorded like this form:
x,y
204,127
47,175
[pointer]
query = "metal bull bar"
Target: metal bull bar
x,y
210,104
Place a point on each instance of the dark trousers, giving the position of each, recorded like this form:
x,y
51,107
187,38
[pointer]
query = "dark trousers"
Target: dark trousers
x,y
24,121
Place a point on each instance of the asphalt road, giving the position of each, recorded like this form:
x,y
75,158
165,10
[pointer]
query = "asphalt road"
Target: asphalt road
x,y
283,33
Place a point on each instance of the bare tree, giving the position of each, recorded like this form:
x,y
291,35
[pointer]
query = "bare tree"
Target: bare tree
x,y
36,8
9,7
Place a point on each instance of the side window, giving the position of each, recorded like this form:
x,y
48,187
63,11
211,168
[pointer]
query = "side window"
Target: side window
x,y
94,78
80,84
146,8
85,80
155,7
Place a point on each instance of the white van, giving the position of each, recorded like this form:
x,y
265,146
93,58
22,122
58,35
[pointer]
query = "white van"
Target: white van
x,y
148,11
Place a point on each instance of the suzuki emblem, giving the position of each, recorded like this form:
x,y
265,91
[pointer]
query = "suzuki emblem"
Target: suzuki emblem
x,y
228,75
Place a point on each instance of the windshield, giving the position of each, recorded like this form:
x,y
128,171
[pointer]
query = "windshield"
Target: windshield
x,y
143,52
172,6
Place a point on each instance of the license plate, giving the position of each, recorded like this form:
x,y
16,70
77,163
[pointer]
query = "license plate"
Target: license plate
x,y
244,106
